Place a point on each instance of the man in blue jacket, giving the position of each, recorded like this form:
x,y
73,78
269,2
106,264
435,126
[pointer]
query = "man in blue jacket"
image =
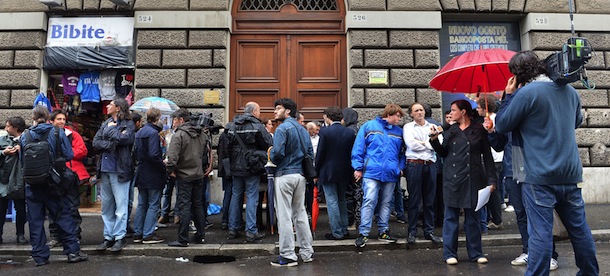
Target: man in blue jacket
x,y
41,198
378,160
546,115
290,144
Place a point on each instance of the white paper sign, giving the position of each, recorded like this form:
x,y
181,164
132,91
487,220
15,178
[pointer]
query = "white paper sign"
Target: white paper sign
x,y
90,31
484,195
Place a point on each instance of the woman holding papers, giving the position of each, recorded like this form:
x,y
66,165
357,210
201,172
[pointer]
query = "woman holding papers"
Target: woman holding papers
x,y
464,174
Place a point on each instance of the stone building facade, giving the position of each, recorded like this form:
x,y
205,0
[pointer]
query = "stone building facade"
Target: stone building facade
x,y
184,50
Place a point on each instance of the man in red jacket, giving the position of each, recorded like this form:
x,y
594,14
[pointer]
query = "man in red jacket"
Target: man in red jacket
x,y
58,119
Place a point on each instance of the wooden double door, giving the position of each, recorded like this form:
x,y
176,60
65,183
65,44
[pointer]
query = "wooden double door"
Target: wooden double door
x,y
310,69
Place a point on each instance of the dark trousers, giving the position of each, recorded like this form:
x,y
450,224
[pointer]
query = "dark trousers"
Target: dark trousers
x,y
472,229
72,198
421,184
227,187
166,198
39,201
20,214
439,206
494,209
190,206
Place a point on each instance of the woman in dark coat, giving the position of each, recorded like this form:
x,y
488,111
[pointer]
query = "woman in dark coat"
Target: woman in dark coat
x,y
150,178
463,175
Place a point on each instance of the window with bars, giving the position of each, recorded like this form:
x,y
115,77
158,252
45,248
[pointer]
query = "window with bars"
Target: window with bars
x,y
302,5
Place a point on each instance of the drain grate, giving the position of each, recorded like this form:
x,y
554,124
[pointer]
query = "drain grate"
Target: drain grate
x,y
213,259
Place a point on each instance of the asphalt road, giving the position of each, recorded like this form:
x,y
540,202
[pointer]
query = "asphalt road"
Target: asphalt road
x,y
365,262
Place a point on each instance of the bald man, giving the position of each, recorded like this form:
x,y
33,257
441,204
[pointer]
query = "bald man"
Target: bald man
x,y
247,138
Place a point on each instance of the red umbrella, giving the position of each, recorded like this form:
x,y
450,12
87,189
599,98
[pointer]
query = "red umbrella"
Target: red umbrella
x,y
475,71
315,209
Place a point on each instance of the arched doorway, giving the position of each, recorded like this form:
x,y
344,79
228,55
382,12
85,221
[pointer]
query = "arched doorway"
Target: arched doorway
x,y
288,48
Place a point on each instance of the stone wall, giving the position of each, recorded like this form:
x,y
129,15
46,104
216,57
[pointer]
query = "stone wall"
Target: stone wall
x,y
410,58
20,70
180,64
499,6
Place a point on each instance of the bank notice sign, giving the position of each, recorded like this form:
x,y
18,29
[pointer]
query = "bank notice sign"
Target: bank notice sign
x,y
90,31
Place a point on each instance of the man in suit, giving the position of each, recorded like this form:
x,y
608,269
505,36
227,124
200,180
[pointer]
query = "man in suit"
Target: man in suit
x,y
334,170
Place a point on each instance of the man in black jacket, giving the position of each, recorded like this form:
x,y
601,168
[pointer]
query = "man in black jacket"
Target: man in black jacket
x,y
248,138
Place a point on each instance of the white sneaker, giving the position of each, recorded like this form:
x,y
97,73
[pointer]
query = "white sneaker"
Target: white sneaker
x,y
503,206
452,261
509,209
554,264
521,260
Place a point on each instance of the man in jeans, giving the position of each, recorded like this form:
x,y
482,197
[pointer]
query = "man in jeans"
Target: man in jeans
x,y
184,161
378,160
334,170
246,132
290,144
546,115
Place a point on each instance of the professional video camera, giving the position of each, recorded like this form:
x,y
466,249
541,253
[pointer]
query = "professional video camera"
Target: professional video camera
x,y
568,65
204,120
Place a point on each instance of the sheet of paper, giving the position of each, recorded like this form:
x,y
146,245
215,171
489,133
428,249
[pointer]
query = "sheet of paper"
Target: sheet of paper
x,y
484,195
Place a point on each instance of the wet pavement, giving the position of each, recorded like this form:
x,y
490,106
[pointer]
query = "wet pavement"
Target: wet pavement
x,y
351,262
216,242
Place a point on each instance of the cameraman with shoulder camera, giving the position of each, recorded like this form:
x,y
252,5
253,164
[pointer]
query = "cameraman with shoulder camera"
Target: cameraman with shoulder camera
x,y
545,115
184,160
247,138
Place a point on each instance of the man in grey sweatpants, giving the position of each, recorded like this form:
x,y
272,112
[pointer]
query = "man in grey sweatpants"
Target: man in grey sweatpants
x,y
290,144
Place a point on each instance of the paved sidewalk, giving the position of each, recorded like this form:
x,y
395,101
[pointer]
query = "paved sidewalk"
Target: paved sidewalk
x,y
216,242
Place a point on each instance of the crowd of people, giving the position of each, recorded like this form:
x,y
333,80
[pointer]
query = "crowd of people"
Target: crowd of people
x,y
359,170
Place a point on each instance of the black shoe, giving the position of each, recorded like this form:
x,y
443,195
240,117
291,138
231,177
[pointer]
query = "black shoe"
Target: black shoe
x,y
118,245
178,244
411,238
208,225
104,245
361,241
225,226
346,236
46,262
254,237
433,238
233,234
199,239
21,240
153,239
137,238
332,237
385,237
77,257
401,219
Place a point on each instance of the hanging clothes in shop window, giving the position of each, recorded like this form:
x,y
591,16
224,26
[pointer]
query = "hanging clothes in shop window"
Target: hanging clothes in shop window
x,y
106,85
88,88
70,81
123,83
41,99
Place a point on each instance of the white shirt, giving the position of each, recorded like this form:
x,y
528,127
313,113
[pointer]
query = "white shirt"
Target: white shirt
x,y
417,139
498,156
314,143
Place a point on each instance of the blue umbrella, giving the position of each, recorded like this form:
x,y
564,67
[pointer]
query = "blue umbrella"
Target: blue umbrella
x,y
164,105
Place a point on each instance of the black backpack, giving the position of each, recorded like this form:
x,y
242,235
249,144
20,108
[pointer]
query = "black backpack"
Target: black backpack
x,y
37,159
